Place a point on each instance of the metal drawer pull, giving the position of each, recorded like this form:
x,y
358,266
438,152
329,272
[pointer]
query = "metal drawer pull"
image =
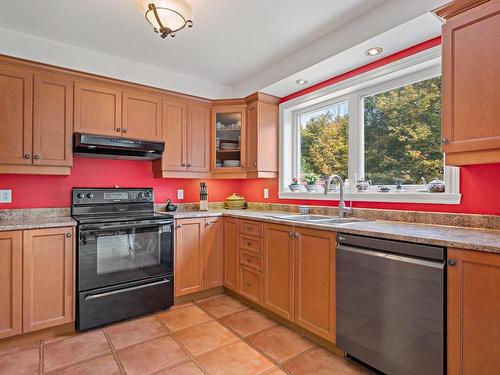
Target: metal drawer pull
x,y
27,156
94,296
249,260
249,243
249,283
452,262
68,235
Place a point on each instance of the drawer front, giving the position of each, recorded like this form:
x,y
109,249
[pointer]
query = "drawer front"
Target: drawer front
x,y
251,284
251,260
251,243
253,228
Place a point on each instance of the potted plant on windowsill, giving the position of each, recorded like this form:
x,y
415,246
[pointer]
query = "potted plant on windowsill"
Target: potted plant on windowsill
x,y
311,180
295,186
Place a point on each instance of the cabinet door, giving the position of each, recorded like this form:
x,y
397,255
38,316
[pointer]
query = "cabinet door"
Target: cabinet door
x,y
251,284
198,138
471,79
141,116
52,121
10,280
278,269
174,136
98,110
214,252
16,98
189,259
48,286
231,253
252,137
473,308
315,281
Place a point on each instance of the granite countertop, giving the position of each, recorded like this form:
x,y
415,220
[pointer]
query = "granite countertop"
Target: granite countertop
x,y
36,223
439,235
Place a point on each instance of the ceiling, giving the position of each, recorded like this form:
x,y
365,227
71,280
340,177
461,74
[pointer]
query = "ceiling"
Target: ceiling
x,y
235,47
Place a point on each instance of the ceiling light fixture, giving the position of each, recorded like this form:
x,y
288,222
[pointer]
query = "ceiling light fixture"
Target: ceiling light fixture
x,y
301,82
168,20
374,51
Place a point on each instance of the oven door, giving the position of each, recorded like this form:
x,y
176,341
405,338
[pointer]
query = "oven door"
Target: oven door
x,y
115,253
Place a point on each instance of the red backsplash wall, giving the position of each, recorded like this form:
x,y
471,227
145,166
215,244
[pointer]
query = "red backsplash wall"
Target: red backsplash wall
x,y
31,191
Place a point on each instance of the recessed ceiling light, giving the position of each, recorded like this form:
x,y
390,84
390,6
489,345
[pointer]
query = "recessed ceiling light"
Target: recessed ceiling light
x,y
374,51
301,82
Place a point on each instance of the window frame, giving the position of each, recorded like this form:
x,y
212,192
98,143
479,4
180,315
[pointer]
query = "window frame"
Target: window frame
x,y
421,66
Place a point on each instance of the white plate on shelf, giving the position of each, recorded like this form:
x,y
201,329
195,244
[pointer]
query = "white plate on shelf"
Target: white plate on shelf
x,y
229,146
231,163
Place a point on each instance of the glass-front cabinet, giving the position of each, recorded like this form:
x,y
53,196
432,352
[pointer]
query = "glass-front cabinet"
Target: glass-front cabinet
x,y
228,140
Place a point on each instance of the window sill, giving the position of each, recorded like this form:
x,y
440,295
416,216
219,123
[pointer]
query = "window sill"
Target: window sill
x,y
406,197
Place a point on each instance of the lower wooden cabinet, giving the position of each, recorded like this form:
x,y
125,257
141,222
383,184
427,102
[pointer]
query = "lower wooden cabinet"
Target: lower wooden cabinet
x,y
37,279
48,286
473,312
251,284
315,281
231,263
11,256
198,255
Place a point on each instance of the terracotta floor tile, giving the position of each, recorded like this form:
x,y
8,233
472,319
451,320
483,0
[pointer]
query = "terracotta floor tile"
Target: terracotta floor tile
x,y
151,356
322,362
238,358
247,322
205,337
188,368
181,305
280,343
103,366
134,331
276,371
182,318
9,349
75,349
51,340
221,305
25,362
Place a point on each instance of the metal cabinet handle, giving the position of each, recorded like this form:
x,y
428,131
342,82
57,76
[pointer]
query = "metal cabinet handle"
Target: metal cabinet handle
x,y
125,130
249,243
249,283
296,235
254,164
290,234
249,260
452,262
188,164
179,226
118,130
27,156
68,235
249,227
445,141
36,157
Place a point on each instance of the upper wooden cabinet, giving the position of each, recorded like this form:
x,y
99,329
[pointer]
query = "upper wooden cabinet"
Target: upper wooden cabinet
x,y
471,77
141,116
98,109
186,133
473,308
11,281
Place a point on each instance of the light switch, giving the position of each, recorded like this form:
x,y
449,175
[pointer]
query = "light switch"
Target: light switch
x,y
266,193
5,196
180,194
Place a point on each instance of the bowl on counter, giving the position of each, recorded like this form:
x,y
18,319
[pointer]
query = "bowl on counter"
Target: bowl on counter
x,y
235,202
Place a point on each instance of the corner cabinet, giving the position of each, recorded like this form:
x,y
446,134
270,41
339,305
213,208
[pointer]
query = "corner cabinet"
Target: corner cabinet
x,y
473,311
471,77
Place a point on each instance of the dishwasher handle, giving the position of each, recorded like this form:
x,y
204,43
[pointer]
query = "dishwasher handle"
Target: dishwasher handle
x,y
388,256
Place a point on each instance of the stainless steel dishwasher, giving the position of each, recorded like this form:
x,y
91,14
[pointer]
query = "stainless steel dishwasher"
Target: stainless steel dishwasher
x,y
390,304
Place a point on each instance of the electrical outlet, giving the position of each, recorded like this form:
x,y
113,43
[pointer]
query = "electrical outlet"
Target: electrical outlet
x,y
180,194
266,193
5,196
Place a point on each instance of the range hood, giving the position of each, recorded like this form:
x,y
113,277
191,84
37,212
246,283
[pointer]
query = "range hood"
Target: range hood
x,y
95,146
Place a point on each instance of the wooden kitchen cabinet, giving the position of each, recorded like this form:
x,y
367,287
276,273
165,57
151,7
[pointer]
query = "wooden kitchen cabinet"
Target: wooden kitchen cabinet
x,y
278,295
315,281
48,278
11,283
189,256
214,252
231,263
142,116
473,310
471,77
251,284
98,109
186,133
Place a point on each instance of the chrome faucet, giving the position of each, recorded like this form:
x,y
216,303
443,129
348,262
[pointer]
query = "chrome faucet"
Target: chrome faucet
x,y
343,209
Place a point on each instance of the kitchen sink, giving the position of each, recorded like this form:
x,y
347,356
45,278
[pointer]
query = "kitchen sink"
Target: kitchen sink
x,y
319,219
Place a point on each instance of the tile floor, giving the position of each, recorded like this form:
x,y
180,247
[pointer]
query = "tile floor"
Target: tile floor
x,y
217,335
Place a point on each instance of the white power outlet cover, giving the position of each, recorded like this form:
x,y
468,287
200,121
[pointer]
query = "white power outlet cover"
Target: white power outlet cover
x,y
180,194
266,193
5,196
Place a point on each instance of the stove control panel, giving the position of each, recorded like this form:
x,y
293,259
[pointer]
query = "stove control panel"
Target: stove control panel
x,y
99,196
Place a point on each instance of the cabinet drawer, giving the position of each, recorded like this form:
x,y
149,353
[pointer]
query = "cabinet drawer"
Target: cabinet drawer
x,y
251,243
251,260
253,228
251,284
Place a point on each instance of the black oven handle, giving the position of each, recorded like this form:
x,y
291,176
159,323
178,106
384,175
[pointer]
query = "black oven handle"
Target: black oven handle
x,y
105,294
127,225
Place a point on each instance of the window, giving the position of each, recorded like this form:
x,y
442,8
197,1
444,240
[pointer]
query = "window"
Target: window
x,y
383,126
